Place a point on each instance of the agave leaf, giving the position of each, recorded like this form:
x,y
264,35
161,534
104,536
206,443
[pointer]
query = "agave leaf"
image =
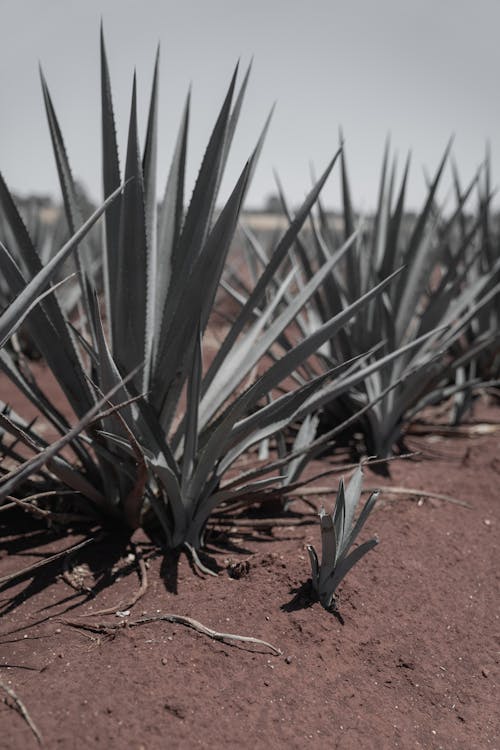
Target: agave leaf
x,y
257,417
193,400
348,562
352,278
352,496
382,213
250,488
137,417
149,156
68,188
226,229
108,374
111,180
458,197
176,506
199,214
325,228
420,257
339,520
355,530
466,306
149,173
129,318
329,542
302,443
313,557
170,220
333,301
11,270
257,251
232,123
349,220
486,340
390,254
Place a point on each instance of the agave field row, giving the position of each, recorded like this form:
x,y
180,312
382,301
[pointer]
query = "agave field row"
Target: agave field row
x,y
362,324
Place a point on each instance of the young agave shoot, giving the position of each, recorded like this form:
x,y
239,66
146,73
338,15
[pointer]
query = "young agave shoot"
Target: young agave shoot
x,y
338,533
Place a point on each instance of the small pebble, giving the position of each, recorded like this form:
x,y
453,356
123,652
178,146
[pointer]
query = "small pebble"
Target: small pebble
x,y
485,672
164,660
288,659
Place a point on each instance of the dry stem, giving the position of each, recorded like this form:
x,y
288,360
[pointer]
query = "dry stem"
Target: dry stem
x,y
179,620
21,708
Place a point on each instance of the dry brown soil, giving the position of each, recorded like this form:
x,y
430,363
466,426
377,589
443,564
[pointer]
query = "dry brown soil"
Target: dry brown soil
x,y
415,663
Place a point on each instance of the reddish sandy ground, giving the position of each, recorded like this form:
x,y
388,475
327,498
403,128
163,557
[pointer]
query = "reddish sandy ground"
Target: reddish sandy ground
x,y
414,664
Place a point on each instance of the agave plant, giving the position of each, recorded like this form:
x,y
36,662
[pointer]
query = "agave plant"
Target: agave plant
x,y
481,336
430,304
181,426
338,533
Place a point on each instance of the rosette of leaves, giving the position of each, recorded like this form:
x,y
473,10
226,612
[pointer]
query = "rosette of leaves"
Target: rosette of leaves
x,y
157,431
430,305
339,531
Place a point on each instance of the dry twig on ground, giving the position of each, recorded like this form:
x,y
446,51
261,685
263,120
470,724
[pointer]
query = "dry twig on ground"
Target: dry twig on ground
x,y
19,706
188,622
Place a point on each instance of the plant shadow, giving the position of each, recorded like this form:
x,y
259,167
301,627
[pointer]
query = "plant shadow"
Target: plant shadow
x,y
22,535
305,597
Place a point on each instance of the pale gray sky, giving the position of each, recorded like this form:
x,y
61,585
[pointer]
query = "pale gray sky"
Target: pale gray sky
x,y
420,70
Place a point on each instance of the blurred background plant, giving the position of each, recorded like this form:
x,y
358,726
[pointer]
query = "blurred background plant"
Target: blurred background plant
x,y
445,301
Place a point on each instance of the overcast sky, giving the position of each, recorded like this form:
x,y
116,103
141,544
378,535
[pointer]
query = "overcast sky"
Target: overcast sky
x,y
420,70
